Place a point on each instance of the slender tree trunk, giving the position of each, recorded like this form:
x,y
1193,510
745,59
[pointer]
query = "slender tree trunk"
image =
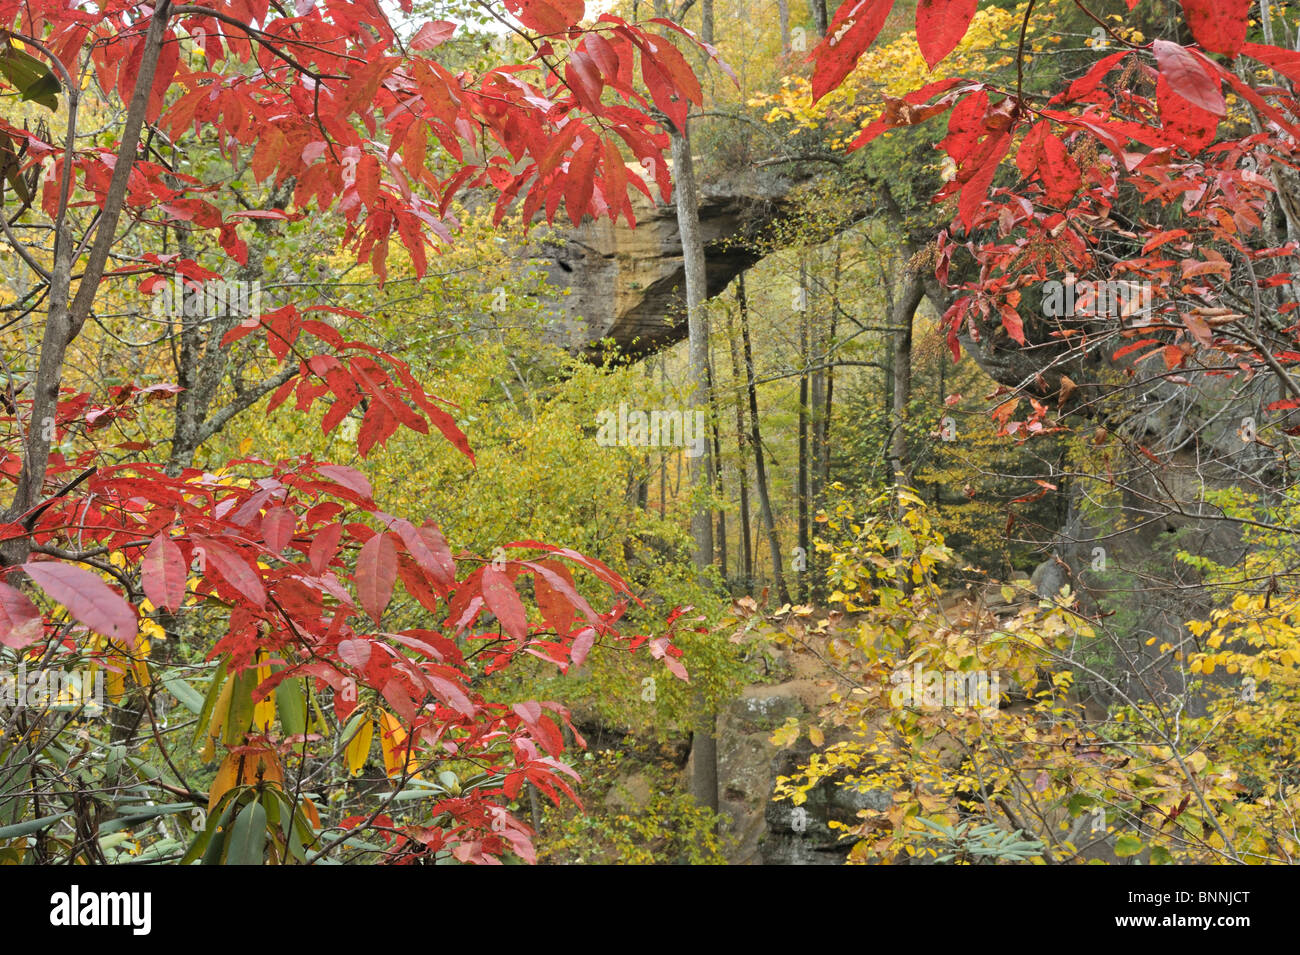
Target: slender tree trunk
x,y
783,14
663,463
715,476
67,312
704,758
822,356
904,308
746,540
706,18
820,20
756,439
697,374
802,471
828,407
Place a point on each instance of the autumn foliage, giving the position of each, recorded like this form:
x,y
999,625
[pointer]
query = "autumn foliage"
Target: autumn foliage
x,y
326,102
104,547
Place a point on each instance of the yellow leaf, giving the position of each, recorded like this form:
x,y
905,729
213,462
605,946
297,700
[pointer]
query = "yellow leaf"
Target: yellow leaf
x,y
218,719
224,781
392,741
815,734
787,734
359,748
263,710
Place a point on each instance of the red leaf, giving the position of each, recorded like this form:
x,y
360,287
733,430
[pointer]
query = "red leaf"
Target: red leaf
x,y
852,30
547,16
429,549
87,597
417,584
368,180
350,478
673,65
235,570
557,596
908,111
1012,323
452,695
162,573
583,78
1198,327
1134,346
1286,62
277,528
20,621
1218,25
556,609
1030,153
1147,452
434,33
582,645
1188,78
975,189
1188,126
580,180
1087,83
500,596
940,25
541,726
603,55
324,547
665,95
591,563
375,574
355,653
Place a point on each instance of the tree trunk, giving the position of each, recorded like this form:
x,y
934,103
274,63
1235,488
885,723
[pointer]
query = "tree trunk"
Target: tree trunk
x,y
715,476
802,472
697,373
704,761
67,313
904,308
756,439
783,13
706,20
819,16
746,541
663,463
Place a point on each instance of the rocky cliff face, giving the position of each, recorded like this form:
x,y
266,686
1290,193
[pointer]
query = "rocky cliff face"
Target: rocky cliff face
x,y
627,284
778,833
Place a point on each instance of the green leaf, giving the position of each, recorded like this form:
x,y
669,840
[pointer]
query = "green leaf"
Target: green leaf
x,y
240,717
31,77
214,691
144,814
10,167
189,697
248,838
30,826
212,839
291,704
1127,845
